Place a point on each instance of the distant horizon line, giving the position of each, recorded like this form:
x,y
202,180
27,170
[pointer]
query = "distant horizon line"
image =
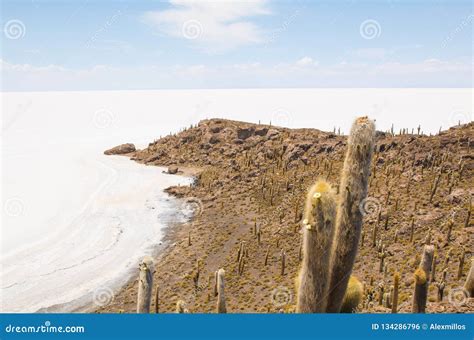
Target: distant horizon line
x,y
242,88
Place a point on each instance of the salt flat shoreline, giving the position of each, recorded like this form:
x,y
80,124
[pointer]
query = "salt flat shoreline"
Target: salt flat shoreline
x,y
96,253
171,236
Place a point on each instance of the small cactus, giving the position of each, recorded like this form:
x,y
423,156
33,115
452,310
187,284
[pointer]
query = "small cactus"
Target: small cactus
x,y
283,262
221,305
469,284
468,217
396,283
435,186
461,263
157,299
412,230
440,286
145,285
267,254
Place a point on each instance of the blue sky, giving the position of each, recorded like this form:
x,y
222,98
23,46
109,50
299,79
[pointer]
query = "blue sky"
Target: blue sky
x,y
115,45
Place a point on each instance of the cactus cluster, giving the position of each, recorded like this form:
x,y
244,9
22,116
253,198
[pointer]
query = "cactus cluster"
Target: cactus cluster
x,y
332,227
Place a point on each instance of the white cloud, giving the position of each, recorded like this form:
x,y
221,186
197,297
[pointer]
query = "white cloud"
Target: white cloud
x,y
372,53
301,73
306,61
213,26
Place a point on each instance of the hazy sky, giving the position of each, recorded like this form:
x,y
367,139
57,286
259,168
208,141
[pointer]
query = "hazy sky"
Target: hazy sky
x,y
118,45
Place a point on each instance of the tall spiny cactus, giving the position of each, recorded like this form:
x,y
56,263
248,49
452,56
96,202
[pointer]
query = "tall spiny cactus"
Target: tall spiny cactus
x,y
221,306
353,190
422,275
145,285
319,219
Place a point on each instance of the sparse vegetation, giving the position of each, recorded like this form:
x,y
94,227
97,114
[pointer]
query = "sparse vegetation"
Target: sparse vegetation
x,y
252,181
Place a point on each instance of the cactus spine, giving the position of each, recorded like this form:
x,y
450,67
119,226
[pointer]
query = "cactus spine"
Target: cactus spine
x,y
145,285
319,219
353,189
221,306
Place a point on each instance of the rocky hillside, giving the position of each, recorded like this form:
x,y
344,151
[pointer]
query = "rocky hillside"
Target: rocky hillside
x,y
251,188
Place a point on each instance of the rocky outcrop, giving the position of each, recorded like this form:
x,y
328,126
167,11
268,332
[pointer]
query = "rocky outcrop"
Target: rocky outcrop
x,y
121,149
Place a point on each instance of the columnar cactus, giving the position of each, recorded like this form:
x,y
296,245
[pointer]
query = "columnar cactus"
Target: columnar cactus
x,y
469,285
461,263
157,299
422,275
283,262
319,219
421,291
396,282
221,306
353,190
145,285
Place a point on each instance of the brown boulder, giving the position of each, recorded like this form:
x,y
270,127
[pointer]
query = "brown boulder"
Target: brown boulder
x,y
121,149
244,133
172,169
